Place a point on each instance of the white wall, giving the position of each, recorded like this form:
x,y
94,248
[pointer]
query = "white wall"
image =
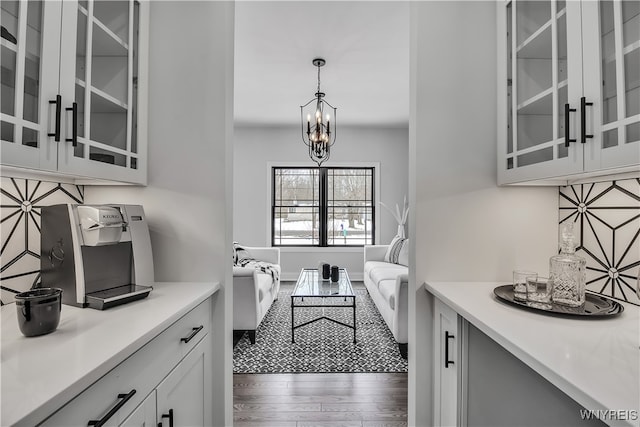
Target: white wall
x,y
188,199
464,227
256,148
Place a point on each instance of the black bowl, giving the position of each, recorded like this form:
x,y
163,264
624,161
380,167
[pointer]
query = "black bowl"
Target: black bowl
x,y
39,311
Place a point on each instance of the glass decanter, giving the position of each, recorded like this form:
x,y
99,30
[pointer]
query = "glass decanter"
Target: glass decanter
x,y
568,271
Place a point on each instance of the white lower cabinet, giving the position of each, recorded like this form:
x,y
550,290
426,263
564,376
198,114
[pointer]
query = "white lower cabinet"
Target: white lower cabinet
x,y
183,395
478,382
447,365
181,398
144,415
171,374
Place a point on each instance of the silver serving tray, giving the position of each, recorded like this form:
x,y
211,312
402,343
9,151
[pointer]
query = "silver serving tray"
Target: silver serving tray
x,y
595,305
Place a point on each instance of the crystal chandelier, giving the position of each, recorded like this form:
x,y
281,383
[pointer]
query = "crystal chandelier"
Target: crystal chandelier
x,y
319,134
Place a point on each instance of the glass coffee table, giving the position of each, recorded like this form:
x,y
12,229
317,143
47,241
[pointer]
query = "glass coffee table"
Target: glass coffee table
x,y
322,294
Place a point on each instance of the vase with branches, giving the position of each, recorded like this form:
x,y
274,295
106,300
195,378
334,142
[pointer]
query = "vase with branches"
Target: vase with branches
x,y
400,217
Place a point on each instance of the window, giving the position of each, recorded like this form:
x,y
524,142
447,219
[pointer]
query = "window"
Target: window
x,y
322,206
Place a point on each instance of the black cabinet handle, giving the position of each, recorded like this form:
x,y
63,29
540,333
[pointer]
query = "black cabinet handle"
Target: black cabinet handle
x,y
74,124
194,332
447,336
56,133
583,119
567,121
124,399
170,416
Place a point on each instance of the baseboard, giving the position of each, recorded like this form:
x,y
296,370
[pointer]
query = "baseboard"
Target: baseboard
x,y
293,276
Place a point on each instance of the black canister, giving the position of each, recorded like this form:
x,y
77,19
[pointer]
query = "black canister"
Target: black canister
x,y
335,273
326,271
39,311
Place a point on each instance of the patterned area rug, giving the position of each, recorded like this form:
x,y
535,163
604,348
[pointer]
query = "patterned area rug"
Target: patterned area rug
x,y
321,346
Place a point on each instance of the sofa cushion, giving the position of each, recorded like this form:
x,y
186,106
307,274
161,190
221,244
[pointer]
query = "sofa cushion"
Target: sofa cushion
x,y
372,265
387,289
387,272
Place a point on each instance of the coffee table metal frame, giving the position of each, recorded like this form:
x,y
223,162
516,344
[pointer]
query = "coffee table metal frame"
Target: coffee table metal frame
x,y
311,286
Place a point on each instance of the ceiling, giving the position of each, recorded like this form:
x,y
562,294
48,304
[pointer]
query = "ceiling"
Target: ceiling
x,y
365,44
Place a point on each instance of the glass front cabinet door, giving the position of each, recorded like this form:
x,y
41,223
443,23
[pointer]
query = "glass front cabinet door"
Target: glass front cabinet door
x,y
92,113
29,121
612,83
567,89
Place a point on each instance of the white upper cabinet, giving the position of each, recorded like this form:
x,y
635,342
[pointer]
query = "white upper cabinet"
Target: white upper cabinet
x,y
91,120
568,89
611,56
30,96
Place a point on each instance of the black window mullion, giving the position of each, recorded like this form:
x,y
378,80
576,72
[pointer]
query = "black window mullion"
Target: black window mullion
x,y
373,209
313,214
318,214
323,228
364,207
273,207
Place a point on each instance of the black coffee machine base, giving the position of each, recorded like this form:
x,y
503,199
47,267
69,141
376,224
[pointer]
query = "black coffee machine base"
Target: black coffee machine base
x,y
112,297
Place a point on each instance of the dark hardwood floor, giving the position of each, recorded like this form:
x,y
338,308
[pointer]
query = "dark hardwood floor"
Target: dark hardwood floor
x,y
306,400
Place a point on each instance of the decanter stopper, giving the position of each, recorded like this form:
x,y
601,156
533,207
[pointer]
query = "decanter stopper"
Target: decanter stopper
x,y
567,242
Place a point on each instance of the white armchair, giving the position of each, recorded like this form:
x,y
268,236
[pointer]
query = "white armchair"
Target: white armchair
x,y
254,291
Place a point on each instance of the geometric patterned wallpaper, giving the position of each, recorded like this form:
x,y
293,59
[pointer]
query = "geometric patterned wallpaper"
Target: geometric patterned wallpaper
x,y
607,229
20,203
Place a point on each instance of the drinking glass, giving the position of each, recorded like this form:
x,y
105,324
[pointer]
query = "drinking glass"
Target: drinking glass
x,y
520,283
539,292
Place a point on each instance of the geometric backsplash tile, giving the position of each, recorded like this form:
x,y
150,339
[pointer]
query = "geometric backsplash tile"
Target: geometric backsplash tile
x,y
606,216
607,229
20,204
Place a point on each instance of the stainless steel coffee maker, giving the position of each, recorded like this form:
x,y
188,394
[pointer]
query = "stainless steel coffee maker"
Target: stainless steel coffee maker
x,y
99,255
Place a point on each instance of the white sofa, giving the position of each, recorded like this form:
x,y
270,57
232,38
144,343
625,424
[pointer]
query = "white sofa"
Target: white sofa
x,y
387,284
254,291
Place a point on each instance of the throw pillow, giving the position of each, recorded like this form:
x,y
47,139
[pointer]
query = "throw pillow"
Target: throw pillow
x,y
239,253
403,257
393,251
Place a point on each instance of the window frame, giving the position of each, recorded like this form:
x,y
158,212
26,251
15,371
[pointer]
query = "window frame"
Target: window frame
x,y
323,206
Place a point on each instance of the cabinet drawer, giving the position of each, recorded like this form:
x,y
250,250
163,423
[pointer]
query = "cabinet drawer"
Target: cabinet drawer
x,y
182,336
141,372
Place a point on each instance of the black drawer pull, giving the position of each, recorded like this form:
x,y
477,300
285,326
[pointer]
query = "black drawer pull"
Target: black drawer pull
x,y
194,332
124,399
567,138
447,336
74,124
56,133
170,416
583,119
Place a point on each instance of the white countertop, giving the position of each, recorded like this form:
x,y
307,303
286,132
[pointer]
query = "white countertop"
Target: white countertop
x,y
40,374
596,362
